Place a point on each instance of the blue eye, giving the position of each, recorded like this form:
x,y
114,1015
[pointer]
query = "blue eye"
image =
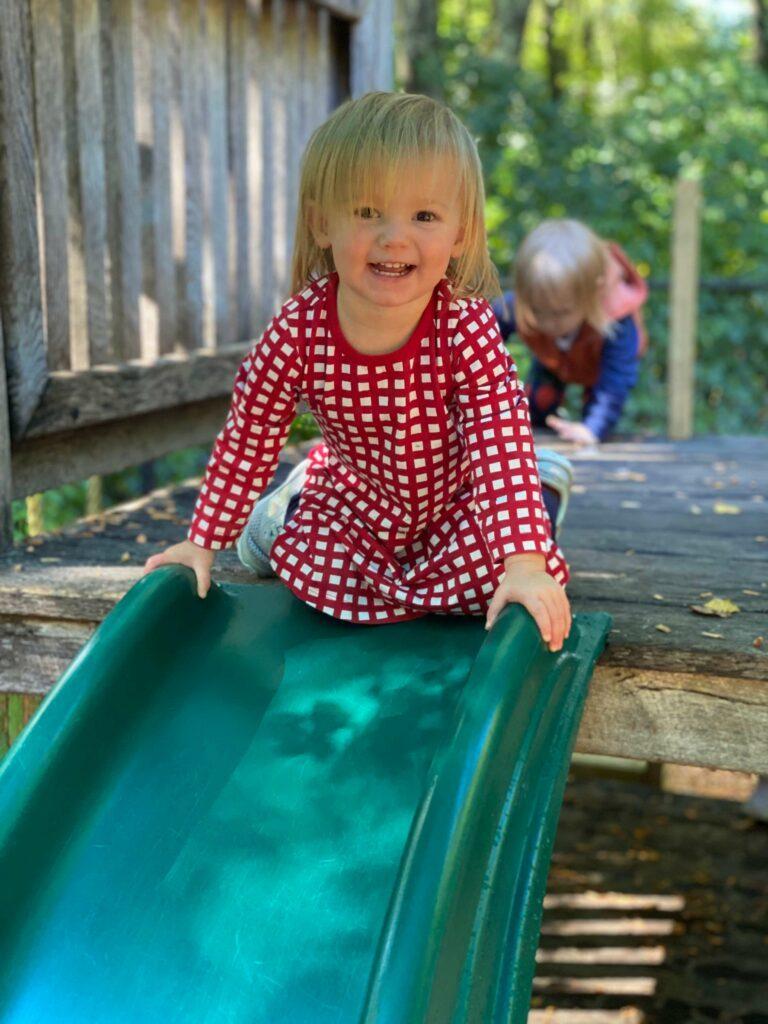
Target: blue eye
x,y
426,216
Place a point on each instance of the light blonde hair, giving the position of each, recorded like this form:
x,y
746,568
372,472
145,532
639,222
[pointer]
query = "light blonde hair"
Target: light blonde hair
x,y
364,148
562,258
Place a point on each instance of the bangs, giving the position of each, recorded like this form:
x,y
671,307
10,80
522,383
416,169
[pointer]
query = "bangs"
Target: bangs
x,y
372,155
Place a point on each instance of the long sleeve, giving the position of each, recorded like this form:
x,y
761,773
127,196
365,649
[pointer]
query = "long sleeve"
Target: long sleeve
x,y
618,375
495,423
504,311
246,451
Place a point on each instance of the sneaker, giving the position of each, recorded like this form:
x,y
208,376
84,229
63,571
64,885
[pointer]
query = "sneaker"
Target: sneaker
x,y
267,520
556,472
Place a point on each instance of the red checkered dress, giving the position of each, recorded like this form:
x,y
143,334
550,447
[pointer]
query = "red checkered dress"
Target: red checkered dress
x,y
426,480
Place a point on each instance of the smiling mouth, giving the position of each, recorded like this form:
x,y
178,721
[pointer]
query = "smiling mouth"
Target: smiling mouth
x,y
392,269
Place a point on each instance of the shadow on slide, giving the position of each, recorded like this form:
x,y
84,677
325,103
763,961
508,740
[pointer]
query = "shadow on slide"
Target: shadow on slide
x,y
240,811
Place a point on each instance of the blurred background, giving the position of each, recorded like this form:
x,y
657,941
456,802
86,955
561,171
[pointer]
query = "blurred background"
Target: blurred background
x,y
592,109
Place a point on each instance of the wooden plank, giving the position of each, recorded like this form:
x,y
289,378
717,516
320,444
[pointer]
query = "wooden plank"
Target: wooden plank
x,y
189,68
238,215
218,331
32,657
15,715
704,720
258,229
21,305
109,447
292,92
271,187
157,94
52,154
74,400
92,191
6,485
372,49
123,193
683,305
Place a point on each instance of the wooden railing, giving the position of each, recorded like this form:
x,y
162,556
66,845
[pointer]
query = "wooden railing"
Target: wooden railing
x,y
148,181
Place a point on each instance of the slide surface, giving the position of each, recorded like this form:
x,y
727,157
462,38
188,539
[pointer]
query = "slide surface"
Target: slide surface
x,y
239,811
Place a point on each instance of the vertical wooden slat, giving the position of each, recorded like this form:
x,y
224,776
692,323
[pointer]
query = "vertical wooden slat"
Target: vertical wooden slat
x,y
52,153
6,491
266,155
294,73
323,67
278,149
91,196
259,171
684,294
189,65
20,284
158,245
123,196
217,254
238,214
372,49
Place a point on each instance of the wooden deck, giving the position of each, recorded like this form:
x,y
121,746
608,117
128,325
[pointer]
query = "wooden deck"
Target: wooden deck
x,y
654,527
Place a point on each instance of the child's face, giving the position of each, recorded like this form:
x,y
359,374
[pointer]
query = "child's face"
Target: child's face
x,y
392,251
557,318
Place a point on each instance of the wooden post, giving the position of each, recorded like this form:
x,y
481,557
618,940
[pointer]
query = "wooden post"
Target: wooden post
x,y
6,491
683,305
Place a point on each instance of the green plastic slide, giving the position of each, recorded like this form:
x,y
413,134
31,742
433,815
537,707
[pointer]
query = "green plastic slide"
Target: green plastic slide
x,y
239,811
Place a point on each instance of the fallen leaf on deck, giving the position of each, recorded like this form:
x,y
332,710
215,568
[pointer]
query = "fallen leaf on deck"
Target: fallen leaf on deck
x,y
629,551
17,567
761,540
751,593
713,636
141,539
695,510
630,504
758,642
706,593
126,556
50,559
662,628
724,508
719,606
658,597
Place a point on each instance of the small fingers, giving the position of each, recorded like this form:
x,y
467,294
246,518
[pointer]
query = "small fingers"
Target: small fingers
x,y
541,615
203,582
497,603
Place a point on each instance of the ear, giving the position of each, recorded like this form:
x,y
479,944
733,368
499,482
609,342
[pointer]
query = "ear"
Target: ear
x,y
318,225
458,246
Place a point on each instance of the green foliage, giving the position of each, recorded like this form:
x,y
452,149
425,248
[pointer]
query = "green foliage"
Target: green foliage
x,y
609,153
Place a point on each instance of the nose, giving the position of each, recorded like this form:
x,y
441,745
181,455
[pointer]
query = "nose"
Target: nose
x,y
392,233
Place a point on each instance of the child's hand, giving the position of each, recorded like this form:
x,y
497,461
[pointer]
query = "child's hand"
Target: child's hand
x,y
579,433
189,554
526,582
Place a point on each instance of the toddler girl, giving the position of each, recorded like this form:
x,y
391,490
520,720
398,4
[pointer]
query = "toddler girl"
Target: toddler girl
x,y
576,305
424,495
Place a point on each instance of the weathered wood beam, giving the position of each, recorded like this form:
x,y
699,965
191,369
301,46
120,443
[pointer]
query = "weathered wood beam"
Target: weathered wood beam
x,y
41,463
108,393
712,721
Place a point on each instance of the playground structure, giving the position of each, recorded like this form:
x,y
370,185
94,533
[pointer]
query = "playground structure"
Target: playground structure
x,y
160,228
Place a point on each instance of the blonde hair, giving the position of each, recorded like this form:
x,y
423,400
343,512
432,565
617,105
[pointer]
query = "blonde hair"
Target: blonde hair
x,y
562,257
365,146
